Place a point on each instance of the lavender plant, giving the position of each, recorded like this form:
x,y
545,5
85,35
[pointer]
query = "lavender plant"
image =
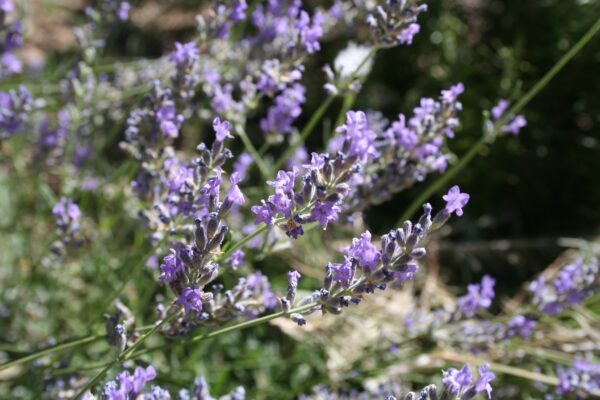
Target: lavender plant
x,y
184,193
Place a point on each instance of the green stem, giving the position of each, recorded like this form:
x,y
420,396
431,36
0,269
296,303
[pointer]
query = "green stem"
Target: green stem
x,y
50,350
124,355
241,242
227,329
264,170
443,180
349,100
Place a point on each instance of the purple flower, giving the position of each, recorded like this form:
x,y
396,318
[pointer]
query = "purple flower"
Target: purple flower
x,y
342,272
364,251
317,161
11,64
168,119
357,132
66,210
407,34
184,53
284,181
123,11
485,377
520,325
457,380
451,95
235,194
67,214
130,386
221,129
190,299
294,230
7,6
479,296
286,108
405,137
237,259
455,200
572,285
223,100
310,33
171,267
264,213
499,109
142,376
324,212
515,125
238,10
293,278
282,203
407,274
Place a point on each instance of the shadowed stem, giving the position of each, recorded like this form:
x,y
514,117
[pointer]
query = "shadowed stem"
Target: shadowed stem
x,y
227,329
516,108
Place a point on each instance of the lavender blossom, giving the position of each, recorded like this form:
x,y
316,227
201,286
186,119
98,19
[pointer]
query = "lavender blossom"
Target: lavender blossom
x,y
514,123
573,283
582,376
123,11
480,296
408,150
286,109
15,108
455,200
324,181
367,267
129,386
395,22
237,259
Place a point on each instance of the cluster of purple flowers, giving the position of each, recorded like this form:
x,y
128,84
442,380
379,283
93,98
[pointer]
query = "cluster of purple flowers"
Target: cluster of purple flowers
x,y
185,79
324,181
15,109
573,283
67,216
479,335
286,108
130,387
408,150
395,22
582,377
11,37
513,125
480,296
367,267
457,385
460,382
460,327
